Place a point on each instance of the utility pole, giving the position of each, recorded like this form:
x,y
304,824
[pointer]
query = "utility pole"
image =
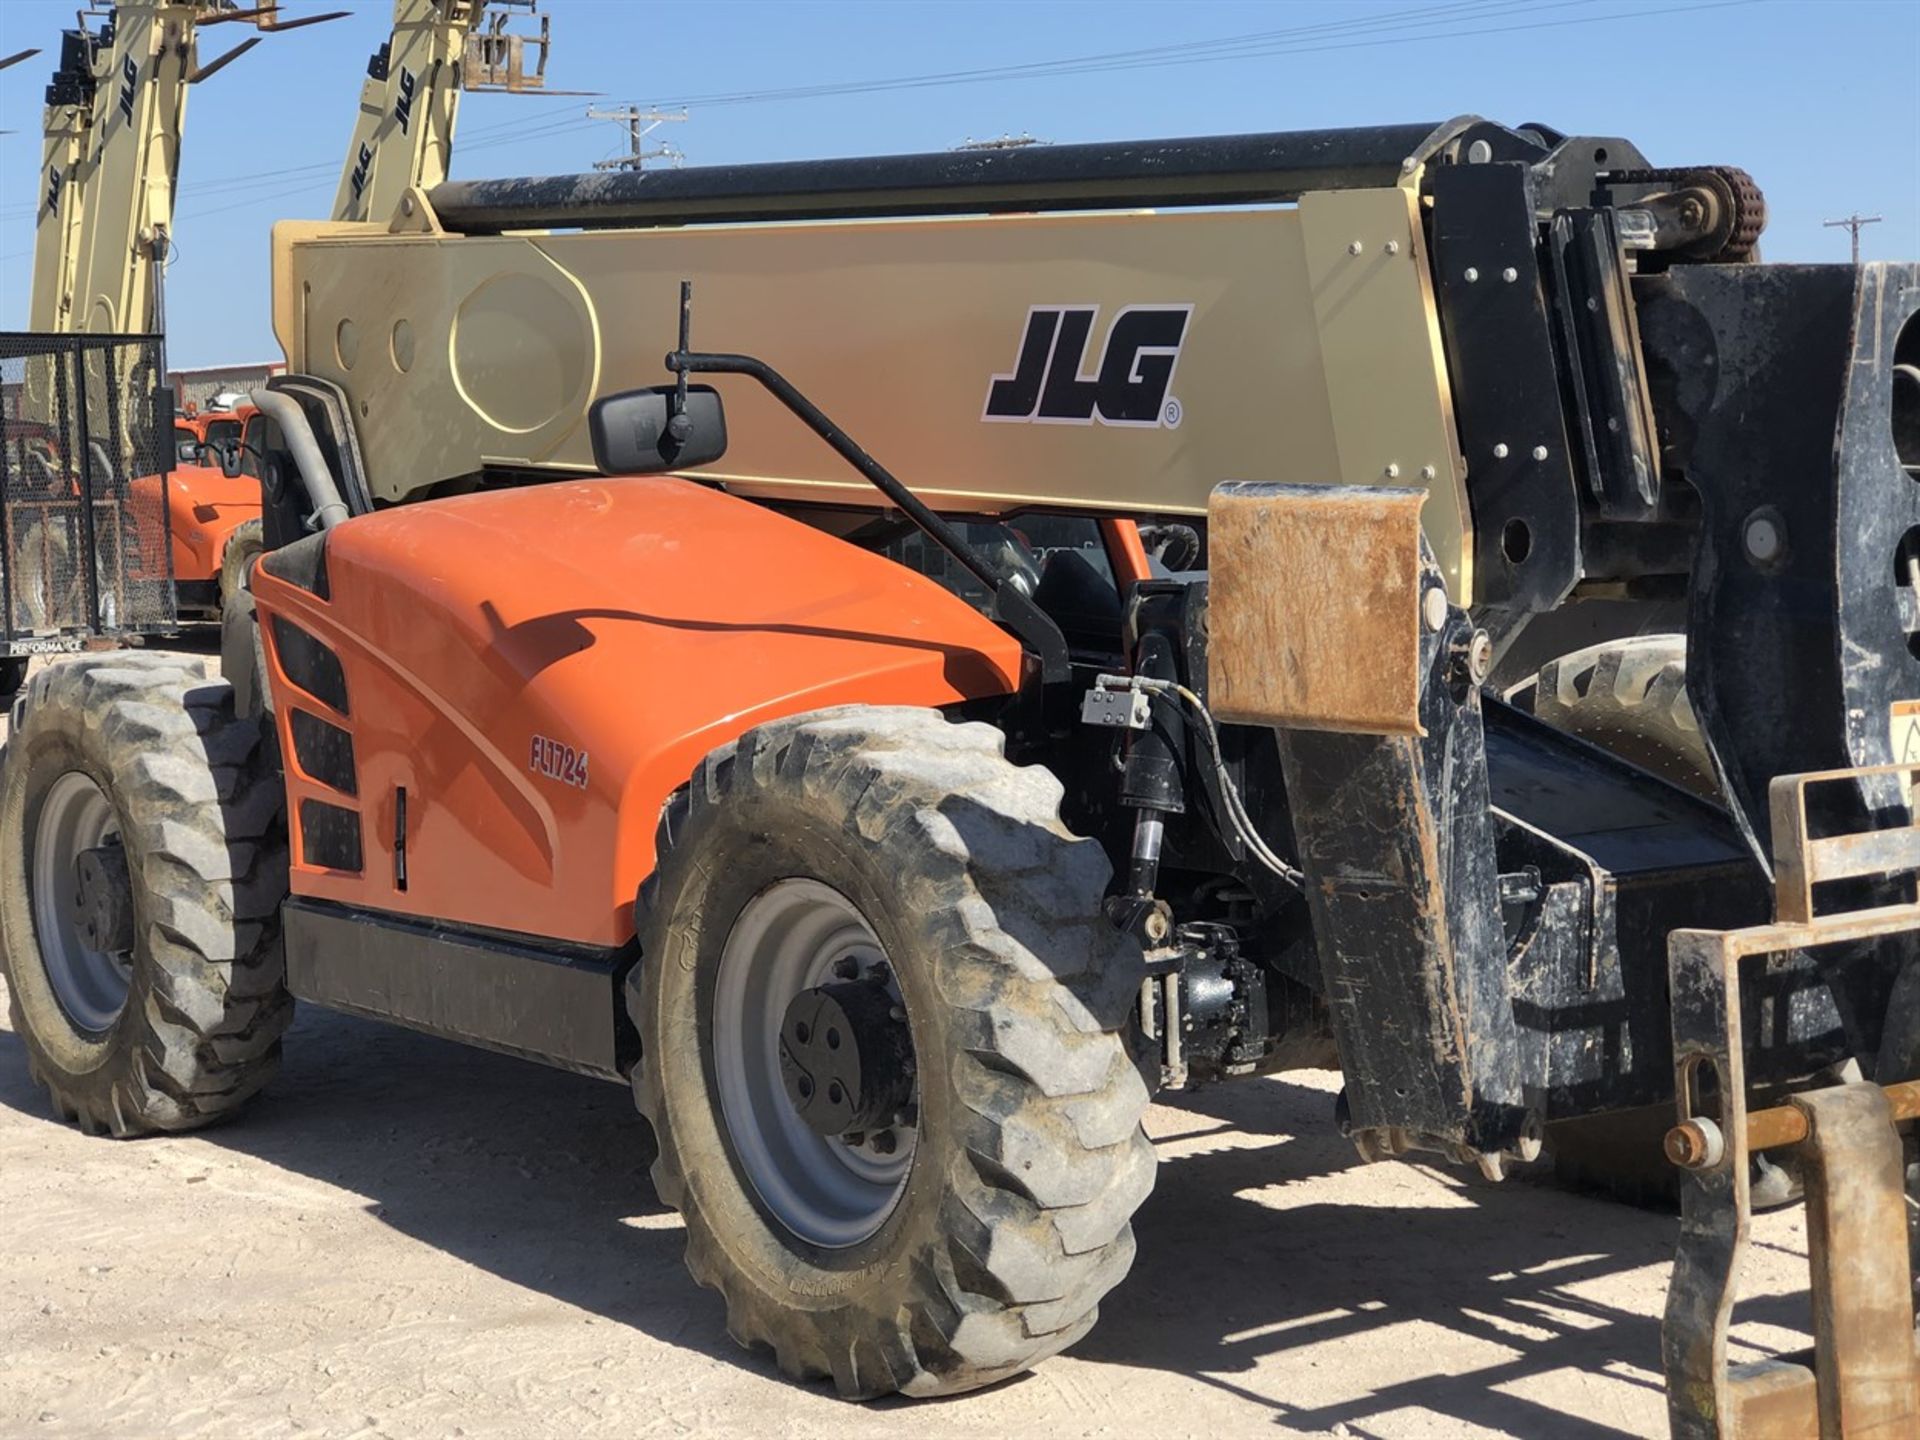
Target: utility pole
x,y
640,124
1854,224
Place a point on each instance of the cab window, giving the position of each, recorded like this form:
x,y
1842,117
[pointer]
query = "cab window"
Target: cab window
x,y
252,443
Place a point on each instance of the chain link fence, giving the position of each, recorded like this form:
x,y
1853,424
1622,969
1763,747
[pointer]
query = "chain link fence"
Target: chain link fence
x,y
86,441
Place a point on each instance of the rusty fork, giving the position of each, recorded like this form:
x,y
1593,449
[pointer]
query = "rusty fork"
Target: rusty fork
x,y
1861,1380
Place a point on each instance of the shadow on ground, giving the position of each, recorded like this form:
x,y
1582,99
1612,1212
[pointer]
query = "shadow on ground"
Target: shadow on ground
x,y
1224,1283
541,1178
533,1174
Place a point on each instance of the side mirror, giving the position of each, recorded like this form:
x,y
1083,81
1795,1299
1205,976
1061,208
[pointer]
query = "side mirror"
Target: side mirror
x,y
231,460
630,435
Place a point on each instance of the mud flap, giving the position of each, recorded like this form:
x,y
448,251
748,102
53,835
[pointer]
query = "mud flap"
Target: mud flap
x,y
1862,1377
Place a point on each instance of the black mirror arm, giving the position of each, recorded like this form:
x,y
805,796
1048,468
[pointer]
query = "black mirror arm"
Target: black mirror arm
x,y
1011,606
679,425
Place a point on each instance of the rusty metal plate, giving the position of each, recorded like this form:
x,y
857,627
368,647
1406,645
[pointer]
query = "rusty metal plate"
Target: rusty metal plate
x,y
1867,1381
1314,612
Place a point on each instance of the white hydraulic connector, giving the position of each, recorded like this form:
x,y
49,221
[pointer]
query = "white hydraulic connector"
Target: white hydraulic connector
x,y
1119,702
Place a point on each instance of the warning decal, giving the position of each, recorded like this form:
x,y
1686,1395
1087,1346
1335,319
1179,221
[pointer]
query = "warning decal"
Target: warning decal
x,y
1906,741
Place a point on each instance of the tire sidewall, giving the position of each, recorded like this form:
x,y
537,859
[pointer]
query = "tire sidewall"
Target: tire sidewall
x,y
236,562
766,842
36,759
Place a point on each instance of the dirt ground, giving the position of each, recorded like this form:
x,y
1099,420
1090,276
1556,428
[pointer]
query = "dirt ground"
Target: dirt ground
x,y
409,1238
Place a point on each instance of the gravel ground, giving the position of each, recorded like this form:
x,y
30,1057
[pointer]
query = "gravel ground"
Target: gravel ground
x,y
409,1238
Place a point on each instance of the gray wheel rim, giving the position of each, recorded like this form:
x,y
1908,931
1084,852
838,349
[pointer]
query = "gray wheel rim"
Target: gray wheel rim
x,y
91,985
790,938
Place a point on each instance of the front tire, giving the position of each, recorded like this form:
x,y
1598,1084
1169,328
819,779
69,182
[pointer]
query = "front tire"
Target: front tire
x,y
894,840
142,864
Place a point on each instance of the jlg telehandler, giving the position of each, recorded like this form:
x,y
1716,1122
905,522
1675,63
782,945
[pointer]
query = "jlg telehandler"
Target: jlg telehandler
x,y
848,775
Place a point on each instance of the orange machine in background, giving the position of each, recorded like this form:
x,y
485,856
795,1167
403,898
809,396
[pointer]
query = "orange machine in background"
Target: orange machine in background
x,y
207,508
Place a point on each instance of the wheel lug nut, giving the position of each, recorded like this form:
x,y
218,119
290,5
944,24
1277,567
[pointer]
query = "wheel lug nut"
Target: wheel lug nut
x,y
855,1138
879,974
846,969
884,1142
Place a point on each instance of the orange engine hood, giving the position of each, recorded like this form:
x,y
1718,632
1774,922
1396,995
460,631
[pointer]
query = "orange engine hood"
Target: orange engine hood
x,y
540,668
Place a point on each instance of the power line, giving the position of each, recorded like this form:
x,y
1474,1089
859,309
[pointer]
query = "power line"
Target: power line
x,y
306,181
314,175
1155,60
1251,43
1854,224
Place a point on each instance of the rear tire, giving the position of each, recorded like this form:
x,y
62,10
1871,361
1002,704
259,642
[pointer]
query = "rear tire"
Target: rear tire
x,y
1630,697
1028,1159
1619,1154
140,755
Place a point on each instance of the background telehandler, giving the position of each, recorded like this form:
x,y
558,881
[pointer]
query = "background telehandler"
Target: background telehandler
x,y
114,124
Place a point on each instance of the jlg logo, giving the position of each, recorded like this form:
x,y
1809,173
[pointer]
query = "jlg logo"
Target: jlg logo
x,y
403,102
1048,386
55,179
557,762
129,78
362,163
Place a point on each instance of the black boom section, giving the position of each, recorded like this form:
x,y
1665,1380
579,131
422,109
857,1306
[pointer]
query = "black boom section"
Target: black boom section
x,y
1203,170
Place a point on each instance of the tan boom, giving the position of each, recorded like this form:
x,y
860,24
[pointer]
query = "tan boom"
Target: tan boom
x,y
468,352
410,103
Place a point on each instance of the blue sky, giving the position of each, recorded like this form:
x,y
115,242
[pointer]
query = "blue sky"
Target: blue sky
x,y
1820,99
